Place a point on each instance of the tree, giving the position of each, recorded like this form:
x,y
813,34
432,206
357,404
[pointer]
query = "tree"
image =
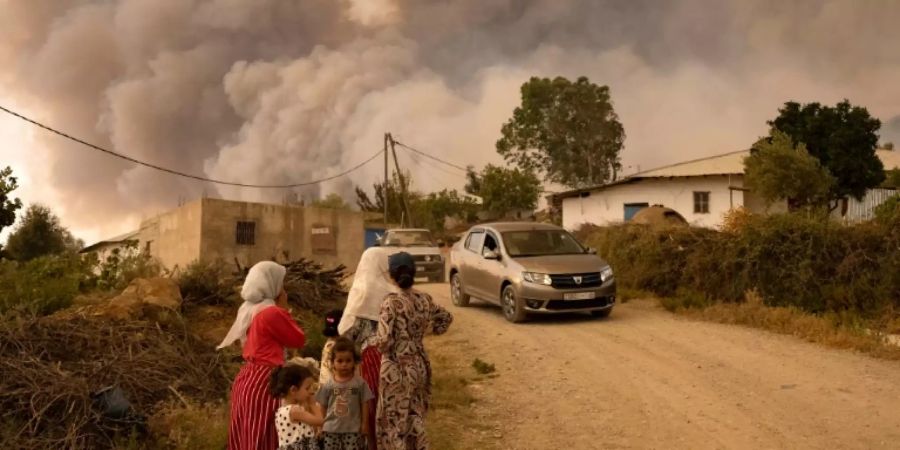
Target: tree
x,y
567,131
428,211
332,201
8,206
504,190
40,234
892,179
432,209
392,192
843,138
778,169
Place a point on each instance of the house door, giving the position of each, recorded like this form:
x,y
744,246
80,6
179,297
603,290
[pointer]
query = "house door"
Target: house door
x,y
372,235
632,208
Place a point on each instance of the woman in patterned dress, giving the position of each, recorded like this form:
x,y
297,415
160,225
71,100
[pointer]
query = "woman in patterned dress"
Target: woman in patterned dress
x,y
359,323
405,384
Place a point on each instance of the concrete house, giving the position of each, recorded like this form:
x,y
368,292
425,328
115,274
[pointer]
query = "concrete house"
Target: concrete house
x,y
211,229
701,190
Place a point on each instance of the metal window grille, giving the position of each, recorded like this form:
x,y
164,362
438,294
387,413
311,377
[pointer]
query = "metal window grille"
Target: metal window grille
x,y
245,233
701,202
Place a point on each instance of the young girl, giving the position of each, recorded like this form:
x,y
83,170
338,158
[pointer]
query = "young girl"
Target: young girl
x,y
332,320
344,400
296,418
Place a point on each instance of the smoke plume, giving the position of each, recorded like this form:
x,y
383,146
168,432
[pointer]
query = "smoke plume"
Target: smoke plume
x,y
273,91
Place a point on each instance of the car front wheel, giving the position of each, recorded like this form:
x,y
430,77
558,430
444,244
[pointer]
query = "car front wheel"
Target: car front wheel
x,y
513,309
459,297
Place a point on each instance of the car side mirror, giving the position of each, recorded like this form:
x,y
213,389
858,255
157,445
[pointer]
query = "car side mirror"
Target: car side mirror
x,y
591,251
490,254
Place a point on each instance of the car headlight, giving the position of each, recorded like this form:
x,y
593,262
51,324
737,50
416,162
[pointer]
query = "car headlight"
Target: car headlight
x,y
606,274
537,278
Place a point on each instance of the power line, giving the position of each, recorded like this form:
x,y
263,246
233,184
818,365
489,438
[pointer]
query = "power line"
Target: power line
x,y
432,166
431,157
187,175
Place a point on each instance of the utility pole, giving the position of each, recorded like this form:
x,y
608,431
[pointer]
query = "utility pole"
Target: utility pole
x,y
385,185
402,181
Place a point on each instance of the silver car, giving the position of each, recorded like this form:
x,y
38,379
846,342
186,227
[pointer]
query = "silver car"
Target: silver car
x,y
530,268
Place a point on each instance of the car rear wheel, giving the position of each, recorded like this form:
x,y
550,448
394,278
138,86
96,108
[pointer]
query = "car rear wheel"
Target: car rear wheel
x,y
459,297
513,309
601,313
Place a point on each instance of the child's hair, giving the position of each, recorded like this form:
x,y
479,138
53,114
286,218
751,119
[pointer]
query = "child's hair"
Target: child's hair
x,y
332,320
341,345
404,276
283,378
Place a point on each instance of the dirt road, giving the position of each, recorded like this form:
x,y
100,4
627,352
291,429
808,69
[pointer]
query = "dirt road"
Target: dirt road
x,y
645,378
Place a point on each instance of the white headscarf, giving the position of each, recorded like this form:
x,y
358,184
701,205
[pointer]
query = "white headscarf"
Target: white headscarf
x,y
264,282
371,284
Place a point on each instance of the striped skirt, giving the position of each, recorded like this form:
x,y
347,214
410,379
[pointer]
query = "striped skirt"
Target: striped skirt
x,y
371,372
252,424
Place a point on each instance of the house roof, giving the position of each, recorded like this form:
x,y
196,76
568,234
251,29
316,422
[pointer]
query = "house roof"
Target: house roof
x,y
725,164
130,236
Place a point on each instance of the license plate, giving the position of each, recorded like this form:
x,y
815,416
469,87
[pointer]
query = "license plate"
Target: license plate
x,y
579,296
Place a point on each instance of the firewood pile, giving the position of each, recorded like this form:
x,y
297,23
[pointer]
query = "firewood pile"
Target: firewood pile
x,y
84,382
309,285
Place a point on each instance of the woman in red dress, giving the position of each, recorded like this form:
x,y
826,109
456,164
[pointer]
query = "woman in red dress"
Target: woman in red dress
x,y
265,328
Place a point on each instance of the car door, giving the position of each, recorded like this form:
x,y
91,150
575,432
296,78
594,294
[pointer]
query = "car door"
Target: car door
x,y
470,257
489,272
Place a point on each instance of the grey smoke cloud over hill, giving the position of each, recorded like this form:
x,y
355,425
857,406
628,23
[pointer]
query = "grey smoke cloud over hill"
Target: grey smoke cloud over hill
x,y
274,91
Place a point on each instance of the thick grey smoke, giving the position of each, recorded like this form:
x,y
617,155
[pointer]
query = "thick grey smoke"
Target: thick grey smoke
x,y
273,91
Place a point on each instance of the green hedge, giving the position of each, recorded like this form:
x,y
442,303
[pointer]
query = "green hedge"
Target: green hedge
x,y
802,260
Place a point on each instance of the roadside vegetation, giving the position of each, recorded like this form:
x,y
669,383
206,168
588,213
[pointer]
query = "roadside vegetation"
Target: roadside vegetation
x,y
796,273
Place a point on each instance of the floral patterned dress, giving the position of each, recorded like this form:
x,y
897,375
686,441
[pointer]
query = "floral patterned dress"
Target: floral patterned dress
x,y
405,385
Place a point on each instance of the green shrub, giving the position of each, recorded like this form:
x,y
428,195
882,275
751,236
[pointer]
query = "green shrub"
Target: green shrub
x,y
123,265
801,260
42,285
204,283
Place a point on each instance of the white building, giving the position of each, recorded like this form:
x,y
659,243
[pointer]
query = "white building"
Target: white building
x,y
701,190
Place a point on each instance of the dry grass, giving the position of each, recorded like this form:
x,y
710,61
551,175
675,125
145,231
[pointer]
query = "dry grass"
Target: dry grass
x,y
191,426
452,423
833,330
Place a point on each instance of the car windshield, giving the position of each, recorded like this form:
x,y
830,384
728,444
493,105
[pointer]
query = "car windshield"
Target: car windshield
x,y
540,243
408,239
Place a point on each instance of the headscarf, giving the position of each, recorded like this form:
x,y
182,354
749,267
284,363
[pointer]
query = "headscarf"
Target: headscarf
x,y
371,284
264,282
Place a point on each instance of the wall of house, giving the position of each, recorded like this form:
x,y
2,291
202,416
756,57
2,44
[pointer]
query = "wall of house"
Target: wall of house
x,y
173,237
607,206
283,232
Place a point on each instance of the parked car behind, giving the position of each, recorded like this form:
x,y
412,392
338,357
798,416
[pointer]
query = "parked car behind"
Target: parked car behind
x,y
530,268
424,250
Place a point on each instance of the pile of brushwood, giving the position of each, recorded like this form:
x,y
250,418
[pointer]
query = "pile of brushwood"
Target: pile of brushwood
x,y
80,380
87,382
310,286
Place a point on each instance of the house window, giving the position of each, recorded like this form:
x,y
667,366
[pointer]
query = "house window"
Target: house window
x,y
701,202
632,208
245,233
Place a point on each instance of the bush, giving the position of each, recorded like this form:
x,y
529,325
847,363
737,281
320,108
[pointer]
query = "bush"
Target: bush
x,y
204,283
42,285
799,260
124,265
888,213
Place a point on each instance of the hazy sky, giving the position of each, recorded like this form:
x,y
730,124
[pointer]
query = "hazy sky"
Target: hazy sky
x,y
273,91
